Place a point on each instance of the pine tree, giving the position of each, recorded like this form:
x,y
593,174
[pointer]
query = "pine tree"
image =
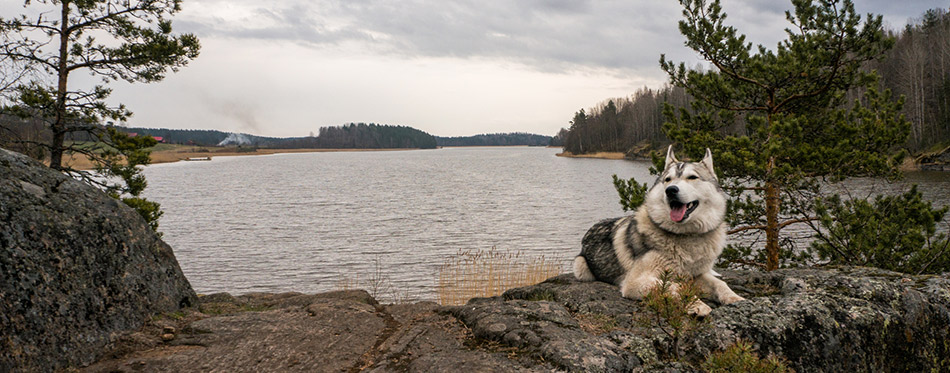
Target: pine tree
x,y
131,40
798,129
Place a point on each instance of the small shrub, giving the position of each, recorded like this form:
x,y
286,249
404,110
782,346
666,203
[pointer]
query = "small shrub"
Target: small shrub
x,y
667,308
741,358
896,233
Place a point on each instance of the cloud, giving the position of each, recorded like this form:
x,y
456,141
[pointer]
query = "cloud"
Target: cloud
x,y
551,35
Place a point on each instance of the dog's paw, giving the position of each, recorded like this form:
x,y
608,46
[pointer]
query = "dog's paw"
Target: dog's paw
x,y
698,308
731,299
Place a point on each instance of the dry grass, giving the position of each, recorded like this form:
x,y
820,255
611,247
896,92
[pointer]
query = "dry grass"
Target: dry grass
x,y
599,155
174,153
477,273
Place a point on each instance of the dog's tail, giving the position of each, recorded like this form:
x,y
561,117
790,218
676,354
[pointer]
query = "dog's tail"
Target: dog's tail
x,y
581,271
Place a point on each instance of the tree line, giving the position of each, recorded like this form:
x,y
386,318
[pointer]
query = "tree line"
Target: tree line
x,y
362,136
620,124
917,67
195,137
496,139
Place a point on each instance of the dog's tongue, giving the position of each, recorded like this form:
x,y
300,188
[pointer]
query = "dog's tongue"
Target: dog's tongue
x,y
677,213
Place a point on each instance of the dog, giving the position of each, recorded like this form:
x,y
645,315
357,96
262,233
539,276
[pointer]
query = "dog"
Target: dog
x,y
679,228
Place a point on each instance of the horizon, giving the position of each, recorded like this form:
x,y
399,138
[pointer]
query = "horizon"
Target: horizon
x,y
449,68
317,135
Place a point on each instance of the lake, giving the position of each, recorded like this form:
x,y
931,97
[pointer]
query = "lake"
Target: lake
x,y
306,221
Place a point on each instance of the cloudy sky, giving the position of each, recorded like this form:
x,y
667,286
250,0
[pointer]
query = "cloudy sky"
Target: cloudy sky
x,y
448,67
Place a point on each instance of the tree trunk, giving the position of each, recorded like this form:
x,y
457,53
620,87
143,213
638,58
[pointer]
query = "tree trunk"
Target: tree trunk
x,y
772,202
58,127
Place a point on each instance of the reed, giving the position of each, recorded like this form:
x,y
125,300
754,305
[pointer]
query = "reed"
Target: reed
x,y
486,273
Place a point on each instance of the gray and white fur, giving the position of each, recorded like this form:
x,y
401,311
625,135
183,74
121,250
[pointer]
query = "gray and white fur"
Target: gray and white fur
x,y
679,228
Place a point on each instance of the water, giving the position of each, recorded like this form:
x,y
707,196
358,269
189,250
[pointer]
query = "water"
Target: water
x,y
304,221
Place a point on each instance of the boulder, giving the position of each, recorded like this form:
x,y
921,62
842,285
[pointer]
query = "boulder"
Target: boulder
x,y
77,267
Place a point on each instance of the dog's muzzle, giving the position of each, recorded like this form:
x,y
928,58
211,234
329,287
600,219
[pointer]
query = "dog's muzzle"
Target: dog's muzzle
x,y
679,211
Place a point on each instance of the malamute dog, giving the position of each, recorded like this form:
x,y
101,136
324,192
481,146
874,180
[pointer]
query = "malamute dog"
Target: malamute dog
x,y
679,228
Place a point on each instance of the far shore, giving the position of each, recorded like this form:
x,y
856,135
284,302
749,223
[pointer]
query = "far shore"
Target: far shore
x,y
598,155
178,153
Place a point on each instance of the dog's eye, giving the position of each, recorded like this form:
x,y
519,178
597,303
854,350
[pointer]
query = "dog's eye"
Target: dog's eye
x,y
692,177
668,179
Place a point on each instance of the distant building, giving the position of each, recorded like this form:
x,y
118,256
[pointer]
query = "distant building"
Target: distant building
x,y
157,138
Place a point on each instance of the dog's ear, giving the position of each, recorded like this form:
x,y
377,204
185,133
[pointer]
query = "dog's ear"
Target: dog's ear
x,y
707,160
670,157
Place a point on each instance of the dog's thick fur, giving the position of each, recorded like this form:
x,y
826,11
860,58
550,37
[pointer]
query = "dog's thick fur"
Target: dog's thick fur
x,y
634,251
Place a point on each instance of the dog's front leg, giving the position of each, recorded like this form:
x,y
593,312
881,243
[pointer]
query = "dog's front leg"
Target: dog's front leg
x,y
711,285
636,286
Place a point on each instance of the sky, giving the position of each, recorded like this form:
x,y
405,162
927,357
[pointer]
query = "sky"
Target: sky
x,y
448,67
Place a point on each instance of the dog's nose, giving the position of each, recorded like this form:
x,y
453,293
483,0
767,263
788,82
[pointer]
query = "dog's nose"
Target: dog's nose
x,y
672,190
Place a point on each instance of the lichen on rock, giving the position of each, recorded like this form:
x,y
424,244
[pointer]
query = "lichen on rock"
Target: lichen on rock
x,y
77,268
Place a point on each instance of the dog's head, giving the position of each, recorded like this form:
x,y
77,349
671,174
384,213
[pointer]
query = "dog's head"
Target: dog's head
x,y
686,198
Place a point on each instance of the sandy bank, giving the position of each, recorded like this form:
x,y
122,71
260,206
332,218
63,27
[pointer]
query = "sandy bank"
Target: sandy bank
x,y
179,152
599,155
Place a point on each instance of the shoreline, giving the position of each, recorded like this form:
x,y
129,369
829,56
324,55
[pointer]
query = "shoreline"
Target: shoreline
x,y
908,165
180,153
597,155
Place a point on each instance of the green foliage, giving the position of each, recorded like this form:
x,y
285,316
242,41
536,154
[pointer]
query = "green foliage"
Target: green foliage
x,y
789,103
897,233
667,305
364,136
112,40
121,159
631,193
150,210
741,358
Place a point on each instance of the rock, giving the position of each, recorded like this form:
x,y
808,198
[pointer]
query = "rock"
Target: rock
x,y
847,319
77,269
330,332
819,320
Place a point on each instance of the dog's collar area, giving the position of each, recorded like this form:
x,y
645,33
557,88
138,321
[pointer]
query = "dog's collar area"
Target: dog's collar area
x,y
659,227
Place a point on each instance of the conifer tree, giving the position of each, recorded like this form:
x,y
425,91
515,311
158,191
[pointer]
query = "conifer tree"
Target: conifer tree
x,y
798,128
131,40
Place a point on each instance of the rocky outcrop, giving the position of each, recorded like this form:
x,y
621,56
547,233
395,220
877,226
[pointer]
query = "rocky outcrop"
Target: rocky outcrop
x,y
832,320
344,331
77,267
818,320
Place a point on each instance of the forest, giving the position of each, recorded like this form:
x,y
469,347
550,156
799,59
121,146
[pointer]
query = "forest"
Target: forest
x,y
917,68
198,137
496,139
24,135
361,136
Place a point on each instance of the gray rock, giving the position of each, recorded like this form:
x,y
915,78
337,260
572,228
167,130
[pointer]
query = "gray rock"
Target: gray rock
x,y
820,320
332,332
77,268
